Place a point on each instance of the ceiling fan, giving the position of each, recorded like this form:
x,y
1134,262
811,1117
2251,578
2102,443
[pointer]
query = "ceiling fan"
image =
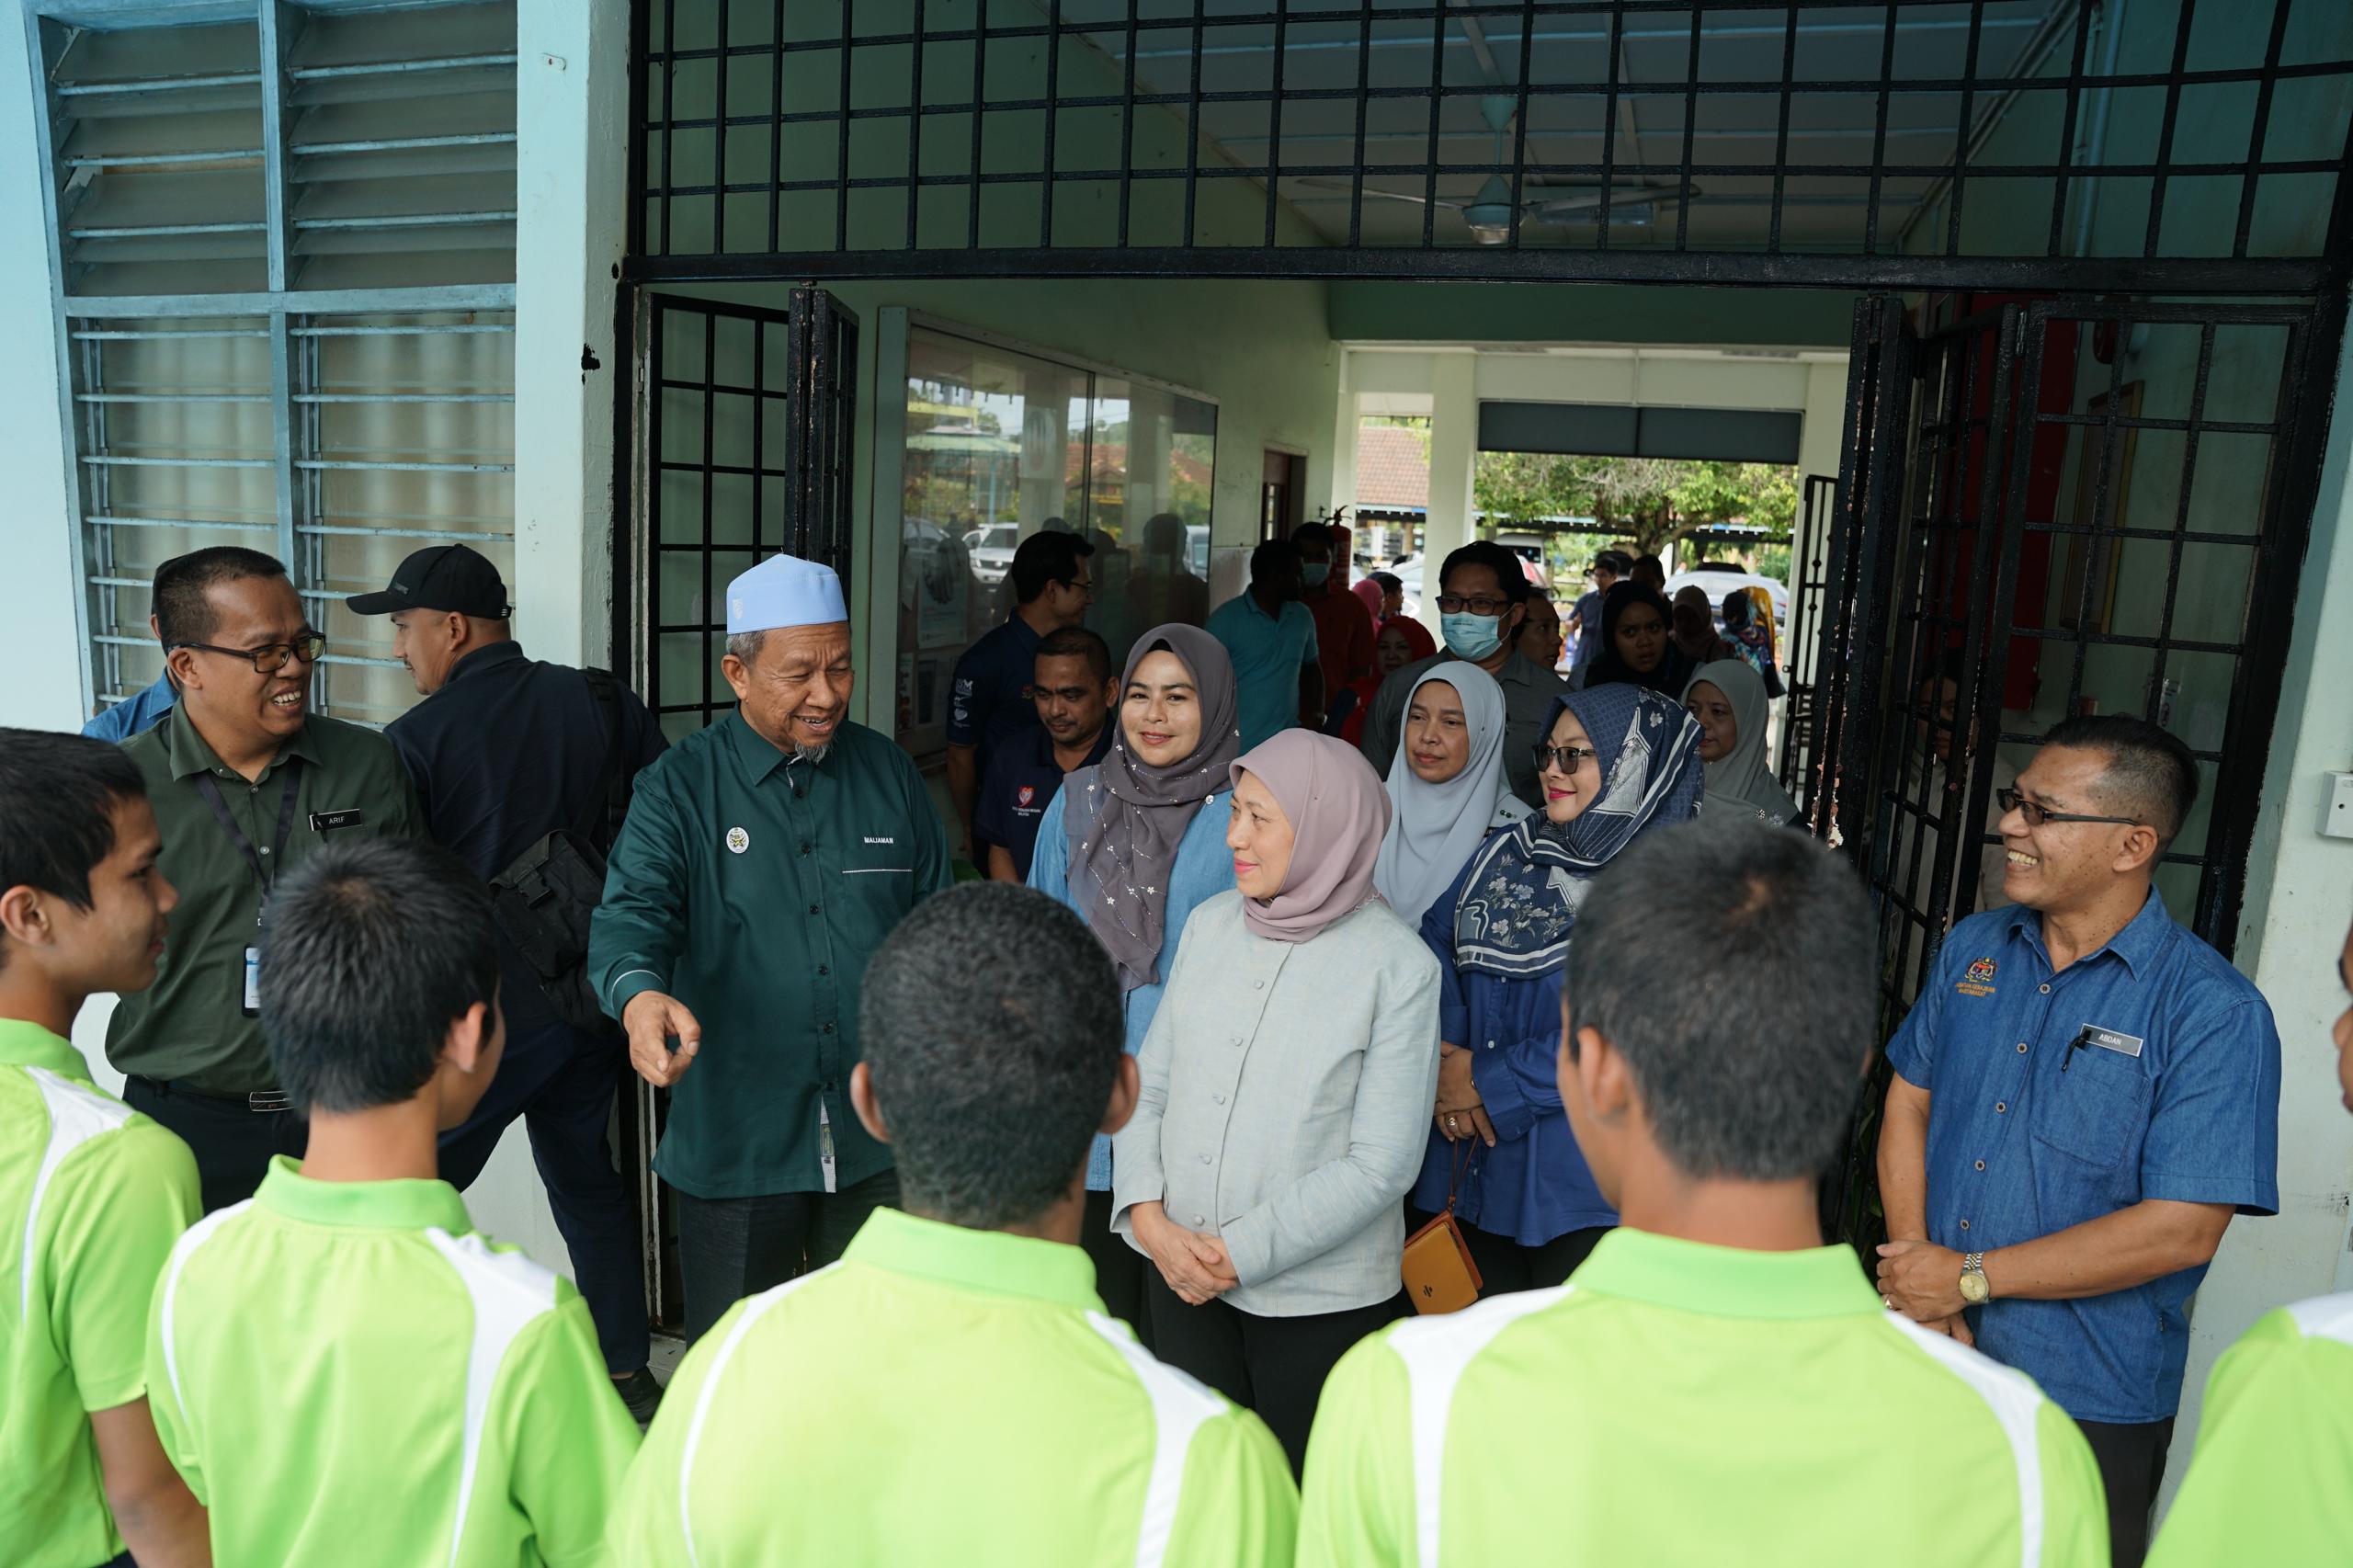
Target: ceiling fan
x,y
1488,213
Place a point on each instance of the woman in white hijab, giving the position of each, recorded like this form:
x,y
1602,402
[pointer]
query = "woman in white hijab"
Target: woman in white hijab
x,y
1446,787
1727,697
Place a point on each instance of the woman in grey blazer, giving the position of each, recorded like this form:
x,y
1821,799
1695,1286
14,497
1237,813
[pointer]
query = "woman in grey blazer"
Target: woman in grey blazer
x,y
1287,1083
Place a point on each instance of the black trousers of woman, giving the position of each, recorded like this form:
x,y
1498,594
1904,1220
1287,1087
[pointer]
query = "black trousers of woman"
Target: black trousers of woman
x,y
1505,1265
1118,1268
1274,1366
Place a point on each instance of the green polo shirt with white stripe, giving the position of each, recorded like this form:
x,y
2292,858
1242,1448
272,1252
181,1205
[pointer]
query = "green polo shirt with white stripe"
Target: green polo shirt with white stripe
x,y
1678,1403
341,1362
946,1395
92,1197
2273,1479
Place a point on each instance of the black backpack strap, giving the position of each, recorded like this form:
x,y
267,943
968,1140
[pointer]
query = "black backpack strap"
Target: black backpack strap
x,y
601,822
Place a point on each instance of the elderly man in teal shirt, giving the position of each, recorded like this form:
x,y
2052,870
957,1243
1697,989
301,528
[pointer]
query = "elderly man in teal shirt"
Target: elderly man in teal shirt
x,y
764,860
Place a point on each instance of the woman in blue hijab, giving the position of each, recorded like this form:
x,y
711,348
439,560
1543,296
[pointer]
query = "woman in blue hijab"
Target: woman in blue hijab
x,y
1615,761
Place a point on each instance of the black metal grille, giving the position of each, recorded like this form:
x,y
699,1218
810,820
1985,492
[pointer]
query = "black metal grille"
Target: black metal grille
x,y
2051,506
747,416
1908,142
1802,644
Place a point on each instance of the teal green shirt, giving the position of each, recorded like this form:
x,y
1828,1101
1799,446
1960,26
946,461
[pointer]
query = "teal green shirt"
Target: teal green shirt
x,y
190,1024
345,1372
92,1197
945,1395
754,890
2273,1479
1681,1403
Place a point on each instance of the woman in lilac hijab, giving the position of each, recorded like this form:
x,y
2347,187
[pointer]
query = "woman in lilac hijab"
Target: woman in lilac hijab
x,y
1288,1078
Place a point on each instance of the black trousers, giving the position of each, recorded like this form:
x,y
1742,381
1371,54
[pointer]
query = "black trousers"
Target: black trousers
x,y
1506,1267
1274,1366
733,1248
562,1082
232,1144
2131,1461
1118,1268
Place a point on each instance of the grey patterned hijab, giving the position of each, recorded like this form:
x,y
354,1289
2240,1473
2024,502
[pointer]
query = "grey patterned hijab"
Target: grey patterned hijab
x,y
1125,818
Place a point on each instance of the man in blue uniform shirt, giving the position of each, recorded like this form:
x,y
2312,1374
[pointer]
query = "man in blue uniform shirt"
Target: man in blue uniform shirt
x,y
1073,689
504,751
2083,1095
988,705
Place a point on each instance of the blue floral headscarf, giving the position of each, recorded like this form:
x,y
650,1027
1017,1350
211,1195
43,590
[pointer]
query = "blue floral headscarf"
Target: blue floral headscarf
x,y
1520,897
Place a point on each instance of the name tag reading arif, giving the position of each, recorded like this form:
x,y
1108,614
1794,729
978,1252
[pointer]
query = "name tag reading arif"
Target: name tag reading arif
x,y
2110,1039
328,821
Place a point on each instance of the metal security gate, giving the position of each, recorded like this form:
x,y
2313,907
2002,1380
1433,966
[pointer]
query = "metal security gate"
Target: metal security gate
x,y
1802,647
2047,507
744,425
742,421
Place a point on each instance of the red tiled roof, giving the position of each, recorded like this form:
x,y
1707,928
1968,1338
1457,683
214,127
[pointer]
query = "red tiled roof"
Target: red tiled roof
x,y
1392,470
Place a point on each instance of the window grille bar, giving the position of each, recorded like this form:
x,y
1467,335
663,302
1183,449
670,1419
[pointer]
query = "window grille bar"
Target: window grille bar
x,y
399,67
156,84
406,221
354,531
123,160
341,465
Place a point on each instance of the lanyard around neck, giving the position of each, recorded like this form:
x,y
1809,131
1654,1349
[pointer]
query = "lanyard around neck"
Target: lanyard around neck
x,y
290,781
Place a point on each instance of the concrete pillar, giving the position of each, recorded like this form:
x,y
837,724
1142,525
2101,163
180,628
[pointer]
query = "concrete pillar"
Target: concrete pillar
x,y
40,601
2288,941
571,116
1826,419
1454,451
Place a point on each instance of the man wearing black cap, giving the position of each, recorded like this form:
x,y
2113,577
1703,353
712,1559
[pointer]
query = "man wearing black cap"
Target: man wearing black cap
x,y
504,751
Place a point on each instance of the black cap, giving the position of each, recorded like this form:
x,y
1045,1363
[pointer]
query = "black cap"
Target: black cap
x,y
440,576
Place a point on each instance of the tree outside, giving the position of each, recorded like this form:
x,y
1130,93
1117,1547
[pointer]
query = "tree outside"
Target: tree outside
x,y
1652,502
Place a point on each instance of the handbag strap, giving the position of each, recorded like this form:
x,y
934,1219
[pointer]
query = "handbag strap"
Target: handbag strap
x,y
1462,1167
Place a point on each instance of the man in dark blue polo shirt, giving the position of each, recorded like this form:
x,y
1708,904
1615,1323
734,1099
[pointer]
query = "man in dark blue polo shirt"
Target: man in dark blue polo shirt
x,y
2084,1094
1073,688
504,750
988,701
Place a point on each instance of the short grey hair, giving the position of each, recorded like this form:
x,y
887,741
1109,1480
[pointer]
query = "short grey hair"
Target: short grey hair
x,y
746,645
1750,1067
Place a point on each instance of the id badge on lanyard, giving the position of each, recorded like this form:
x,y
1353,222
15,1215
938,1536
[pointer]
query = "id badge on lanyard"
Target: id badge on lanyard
x,y
265,870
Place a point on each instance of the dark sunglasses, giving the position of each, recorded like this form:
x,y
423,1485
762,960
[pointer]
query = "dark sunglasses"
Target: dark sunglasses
x,y
270,658
2036,815
1567,756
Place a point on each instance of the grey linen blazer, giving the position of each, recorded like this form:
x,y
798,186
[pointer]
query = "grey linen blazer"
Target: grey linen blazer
x,y
1286,1105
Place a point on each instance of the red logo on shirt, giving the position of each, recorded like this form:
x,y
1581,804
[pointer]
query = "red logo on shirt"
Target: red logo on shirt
x,y
1023,794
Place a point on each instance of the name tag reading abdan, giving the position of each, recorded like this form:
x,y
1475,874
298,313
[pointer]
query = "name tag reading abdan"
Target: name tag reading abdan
x,y
2110,1039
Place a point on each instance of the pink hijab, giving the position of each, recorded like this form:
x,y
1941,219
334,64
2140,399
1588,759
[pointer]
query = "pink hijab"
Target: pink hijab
x,y
1339,813
1369,594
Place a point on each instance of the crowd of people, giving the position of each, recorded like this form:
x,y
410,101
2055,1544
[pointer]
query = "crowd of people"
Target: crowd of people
x,y
1071,1222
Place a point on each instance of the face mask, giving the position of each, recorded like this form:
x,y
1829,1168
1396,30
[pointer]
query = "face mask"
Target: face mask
x,y
1472,637
1315,573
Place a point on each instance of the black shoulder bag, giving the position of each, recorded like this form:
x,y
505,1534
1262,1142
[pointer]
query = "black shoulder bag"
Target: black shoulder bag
x,y
544,899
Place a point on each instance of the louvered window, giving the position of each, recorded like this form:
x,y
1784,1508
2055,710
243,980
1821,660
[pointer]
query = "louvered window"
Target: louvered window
x,y
284,256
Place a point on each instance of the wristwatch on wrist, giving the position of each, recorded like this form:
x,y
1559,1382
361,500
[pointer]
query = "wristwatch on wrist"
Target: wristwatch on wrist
x,y
1975,1288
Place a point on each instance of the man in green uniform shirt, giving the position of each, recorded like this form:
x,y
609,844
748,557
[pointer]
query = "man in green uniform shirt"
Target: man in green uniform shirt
x,y
92,1194
952,1391
247,783
763,861
1713,1384
340,1366
2273,1479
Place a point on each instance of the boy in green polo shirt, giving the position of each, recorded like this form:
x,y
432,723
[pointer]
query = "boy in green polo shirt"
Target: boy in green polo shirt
x,y
952,1391
92,1194
1713,1385
2273,1479
343,1369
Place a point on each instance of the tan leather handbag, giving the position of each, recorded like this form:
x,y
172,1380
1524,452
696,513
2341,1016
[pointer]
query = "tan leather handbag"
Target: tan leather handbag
x,y
1439,1273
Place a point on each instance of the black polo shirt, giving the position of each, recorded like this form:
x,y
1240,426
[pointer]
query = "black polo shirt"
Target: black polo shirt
x,y
1021,778
508,750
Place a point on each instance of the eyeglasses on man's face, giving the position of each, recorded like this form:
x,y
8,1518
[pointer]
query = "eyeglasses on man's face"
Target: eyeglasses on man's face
x,y
2036,814
270,658
1568,758
1455,604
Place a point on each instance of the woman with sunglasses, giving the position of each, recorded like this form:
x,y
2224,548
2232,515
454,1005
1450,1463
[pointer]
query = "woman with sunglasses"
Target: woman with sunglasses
x,y
1501,1150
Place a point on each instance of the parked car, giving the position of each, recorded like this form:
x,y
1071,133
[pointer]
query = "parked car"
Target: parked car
x,y
991,549
1721,577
